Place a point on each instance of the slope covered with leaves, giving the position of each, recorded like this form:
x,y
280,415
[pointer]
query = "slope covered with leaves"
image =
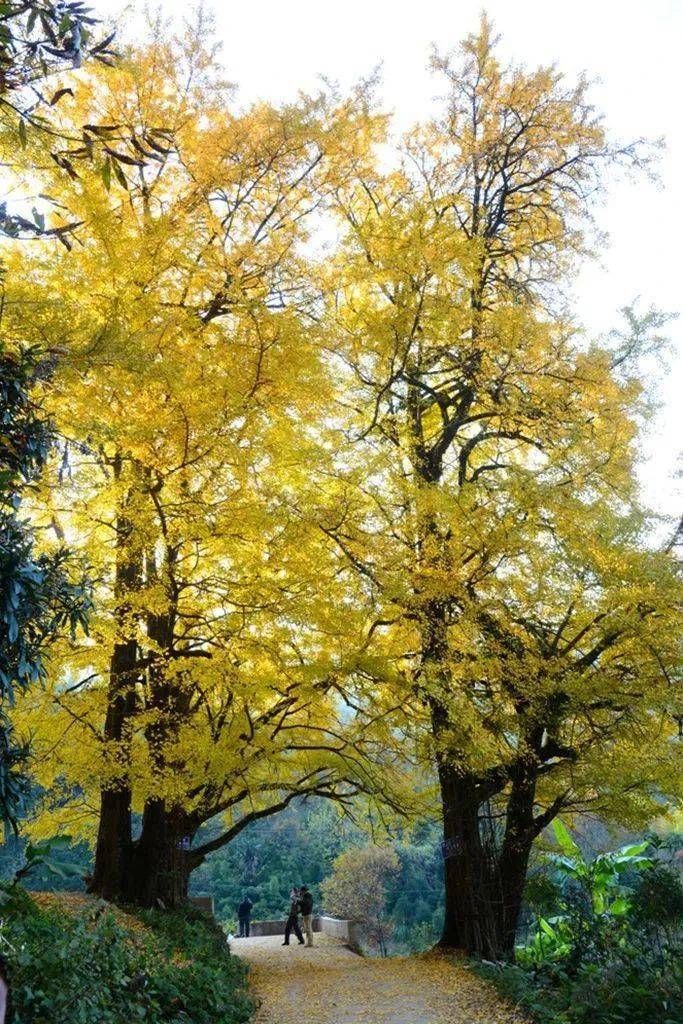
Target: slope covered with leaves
x,y
72,959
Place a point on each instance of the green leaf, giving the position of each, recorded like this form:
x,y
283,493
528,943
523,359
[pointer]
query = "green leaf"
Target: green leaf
x,y
564,840
120,176
620,907
106,173
565,864
58,95
631,851
58,842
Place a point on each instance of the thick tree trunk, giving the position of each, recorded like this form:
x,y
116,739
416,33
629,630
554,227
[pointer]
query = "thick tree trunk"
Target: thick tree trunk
x,y
483,883
484,886
473,900
114,831
520,832
513,871
161,863
113,845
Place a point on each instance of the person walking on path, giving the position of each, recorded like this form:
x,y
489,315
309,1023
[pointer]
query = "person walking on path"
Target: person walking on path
x,y
292,924
244,917
306,900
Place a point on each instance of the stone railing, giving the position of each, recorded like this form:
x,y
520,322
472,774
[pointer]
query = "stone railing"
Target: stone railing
x,y
260,928
348,932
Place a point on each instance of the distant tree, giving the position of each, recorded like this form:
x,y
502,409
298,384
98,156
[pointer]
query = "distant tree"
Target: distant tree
x,y
418,897
358,889
295,846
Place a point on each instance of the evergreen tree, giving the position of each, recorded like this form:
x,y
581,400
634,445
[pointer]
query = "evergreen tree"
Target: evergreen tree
x,y
40,595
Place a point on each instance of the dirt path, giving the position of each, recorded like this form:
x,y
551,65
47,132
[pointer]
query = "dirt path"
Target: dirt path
x,y
331,985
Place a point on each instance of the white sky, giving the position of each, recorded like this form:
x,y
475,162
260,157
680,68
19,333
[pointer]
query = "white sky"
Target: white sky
x,y
633,48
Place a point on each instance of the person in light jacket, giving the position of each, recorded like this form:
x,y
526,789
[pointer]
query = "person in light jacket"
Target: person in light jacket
x,y
306,902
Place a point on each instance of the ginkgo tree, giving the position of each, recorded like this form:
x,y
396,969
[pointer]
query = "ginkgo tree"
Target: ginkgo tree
x,y
483,497
184,384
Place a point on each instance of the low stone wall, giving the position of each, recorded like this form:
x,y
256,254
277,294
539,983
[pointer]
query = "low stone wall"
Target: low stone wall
x,y
349,932
259,928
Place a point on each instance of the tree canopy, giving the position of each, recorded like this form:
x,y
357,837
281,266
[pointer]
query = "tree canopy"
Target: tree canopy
x,y
489,513
357,490
184,383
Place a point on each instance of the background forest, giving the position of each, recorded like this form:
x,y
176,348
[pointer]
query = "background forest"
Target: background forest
x,y
301,844
297,846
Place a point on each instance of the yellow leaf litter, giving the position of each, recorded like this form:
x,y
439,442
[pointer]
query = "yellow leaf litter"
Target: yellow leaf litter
x,y
329,984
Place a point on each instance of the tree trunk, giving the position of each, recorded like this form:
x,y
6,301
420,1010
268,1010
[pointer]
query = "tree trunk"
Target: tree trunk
x,y
513,871
484,885
114,831
113,845
520,832
161,862
473,903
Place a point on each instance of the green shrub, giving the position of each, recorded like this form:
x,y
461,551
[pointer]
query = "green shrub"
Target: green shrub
x,y
606,948
89,968
629,990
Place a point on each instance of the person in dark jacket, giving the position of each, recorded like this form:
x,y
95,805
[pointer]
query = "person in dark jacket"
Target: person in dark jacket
x,y
244,917
292,924
306,901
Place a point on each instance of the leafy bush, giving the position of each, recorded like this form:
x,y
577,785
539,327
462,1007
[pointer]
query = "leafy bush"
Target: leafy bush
x,y
609,950
95,966
592,903
631,989
357,888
